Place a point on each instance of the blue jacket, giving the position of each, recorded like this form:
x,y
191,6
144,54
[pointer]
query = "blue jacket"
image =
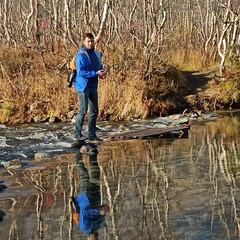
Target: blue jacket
x,y
90,220
84,69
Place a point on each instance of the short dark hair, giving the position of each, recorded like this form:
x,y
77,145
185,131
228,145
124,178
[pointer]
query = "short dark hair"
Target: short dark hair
x,y
88,35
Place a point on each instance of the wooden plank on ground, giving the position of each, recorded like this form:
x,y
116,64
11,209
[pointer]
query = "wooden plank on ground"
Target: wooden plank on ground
x,y
149,132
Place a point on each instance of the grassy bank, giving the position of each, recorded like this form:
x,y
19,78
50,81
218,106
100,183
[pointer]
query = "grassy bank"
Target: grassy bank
x,y
33,87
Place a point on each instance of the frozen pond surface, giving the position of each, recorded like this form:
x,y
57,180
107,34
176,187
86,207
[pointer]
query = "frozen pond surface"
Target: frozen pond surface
x,y
155,189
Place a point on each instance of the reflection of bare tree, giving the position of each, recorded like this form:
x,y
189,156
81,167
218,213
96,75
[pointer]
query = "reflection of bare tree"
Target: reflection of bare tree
x,y
46,208
221,173
139,184
142,199
162,181
111,198
156,189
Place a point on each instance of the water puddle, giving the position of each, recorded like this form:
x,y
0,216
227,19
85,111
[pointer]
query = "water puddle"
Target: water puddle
x,y
154,189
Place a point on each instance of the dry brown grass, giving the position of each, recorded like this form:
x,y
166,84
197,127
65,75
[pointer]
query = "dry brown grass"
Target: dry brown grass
x,y
222,93
33,86
122,100
31,89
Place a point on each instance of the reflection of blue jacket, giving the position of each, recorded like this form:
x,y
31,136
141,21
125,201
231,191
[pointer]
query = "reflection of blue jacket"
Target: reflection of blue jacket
x,y
90,220
86,69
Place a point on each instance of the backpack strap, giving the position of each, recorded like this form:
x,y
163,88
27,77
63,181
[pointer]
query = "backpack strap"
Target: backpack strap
x,y
72,64
98,54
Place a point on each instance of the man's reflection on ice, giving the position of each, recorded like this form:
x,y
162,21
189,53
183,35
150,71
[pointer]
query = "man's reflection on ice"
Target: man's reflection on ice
x,y
91,215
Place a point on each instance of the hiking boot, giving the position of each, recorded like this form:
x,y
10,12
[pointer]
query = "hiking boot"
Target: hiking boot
x,y
80,138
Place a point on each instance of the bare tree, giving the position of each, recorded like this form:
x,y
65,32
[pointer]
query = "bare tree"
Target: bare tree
x,y
152,27
5,15
228,31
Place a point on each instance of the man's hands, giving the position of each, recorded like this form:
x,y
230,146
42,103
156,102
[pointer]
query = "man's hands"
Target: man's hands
x,y
101,74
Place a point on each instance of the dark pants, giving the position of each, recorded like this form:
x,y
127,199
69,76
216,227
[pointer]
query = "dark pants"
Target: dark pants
x,y
90,181
87,98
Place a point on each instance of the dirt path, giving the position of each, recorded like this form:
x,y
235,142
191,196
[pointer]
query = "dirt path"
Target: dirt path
x,y
197,81
197,93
